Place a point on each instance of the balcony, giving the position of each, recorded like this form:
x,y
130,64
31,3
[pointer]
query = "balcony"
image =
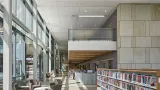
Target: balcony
x,y
92,39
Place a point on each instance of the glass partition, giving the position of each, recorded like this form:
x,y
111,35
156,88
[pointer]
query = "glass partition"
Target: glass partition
x,y
92,34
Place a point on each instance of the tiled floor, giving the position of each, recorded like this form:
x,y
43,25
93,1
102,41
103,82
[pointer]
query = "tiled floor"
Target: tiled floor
x,y
70,84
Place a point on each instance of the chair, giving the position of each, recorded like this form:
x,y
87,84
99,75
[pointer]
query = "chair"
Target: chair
x,y
35,84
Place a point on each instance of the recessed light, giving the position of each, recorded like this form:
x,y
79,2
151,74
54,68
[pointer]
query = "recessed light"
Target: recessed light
x,y
91,16
85,10
105,10
95,25
81,25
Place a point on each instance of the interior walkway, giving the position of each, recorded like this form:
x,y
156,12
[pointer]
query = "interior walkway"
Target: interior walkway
x,y
70,84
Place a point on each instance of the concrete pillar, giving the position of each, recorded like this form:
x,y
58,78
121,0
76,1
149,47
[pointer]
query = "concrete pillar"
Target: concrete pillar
x,y
7,45
50,49
14,55
35,37
45,66
138,36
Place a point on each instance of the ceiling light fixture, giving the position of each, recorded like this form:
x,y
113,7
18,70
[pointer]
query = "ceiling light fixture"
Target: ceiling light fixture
x,y
95,25
91,15
105,10
85,10
81,25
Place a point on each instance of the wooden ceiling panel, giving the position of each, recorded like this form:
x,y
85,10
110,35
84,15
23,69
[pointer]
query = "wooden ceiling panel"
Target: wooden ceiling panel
x,y
80,56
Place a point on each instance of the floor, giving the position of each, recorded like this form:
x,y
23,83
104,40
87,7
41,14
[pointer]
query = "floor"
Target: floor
x,y
70,84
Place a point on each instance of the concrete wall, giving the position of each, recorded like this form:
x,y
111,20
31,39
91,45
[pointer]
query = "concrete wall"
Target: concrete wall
x,y
138,36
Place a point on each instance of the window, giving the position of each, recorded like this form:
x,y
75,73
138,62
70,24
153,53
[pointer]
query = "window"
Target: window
x,y
20,12
14,7
43,37
29,19
29,56
20,55
47,40
39,32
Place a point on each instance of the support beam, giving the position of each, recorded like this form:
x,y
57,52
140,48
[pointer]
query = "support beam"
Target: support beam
x,y
44,66
50,49
7,45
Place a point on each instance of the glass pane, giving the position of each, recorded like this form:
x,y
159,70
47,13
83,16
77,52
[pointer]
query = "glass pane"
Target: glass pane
x,y
29,57
43,36
20,49
21,11
29,19
1,58
47,40
14,7
39,32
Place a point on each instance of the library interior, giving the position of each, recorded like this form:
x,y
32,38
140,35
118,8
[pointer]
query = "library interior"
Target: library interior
x,y
79,44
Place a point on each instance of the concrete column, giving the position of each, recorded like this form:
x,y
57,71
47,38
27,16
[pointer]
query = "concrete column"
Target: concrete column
x,y
45,66
35,37
55,55
7,45
46,57
14,55
50,49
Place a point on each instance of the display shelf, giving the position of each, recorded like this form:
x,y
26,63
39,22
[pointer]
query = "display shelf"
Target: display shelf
x,y
134,79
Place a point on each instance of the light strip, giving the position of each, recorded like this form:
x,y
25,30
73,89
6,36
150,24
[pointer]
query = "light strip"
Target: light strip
x,y
91,16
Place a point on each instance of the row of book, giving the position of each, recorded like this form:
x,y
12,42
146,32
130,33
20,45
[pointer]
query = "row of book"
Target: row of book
x,y
130,77
125,86
106,86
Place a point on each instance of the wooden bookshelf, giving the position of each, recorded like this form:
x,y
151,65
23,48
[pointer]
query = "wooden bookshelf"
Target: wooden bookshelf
x,y
128,79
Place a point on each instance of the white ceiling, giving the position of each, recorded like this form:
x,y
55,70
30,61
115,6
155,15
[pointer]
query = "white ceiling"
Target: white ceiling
x,y
58,15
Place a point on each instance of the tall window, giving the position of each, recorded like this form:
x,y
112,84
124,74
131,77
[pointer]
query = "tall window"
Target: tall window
x,y
29,57
43,37
20,12
14,7
47,40
20,55
39,32
29,19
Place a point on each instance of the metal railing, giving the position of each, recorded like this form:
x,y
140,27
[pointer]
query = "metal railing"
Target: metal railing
x,y
92,34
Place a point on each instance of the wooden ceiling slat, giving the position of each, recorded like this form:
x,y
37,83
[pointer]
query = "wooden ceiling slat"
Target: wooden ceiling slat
x,y
80,56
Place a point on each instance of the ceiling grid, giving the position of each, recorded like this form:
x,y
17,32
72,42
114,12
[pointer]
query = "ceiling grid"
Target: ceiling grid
x,y
61,15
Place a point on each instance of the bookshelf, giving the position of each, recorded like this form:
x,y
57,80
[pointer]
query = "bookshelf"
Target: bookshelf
x,y
133,79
